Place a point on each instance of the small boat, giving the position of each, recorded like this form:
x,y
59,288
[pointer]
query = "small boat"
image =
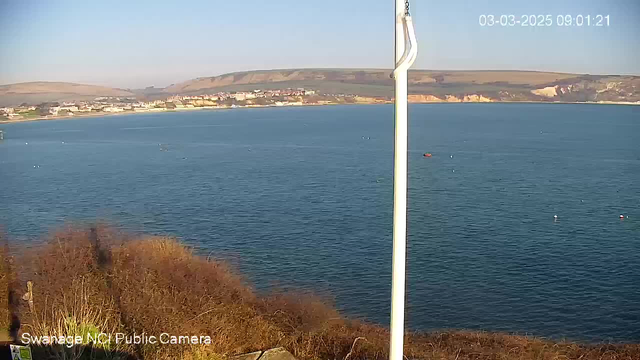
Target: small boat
x,y
427,155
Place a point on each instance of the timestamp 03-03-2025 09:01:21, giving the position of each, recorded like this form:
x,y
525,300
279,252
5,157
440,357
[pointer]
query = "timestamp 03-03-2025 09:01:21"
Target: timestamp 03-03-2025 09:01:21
x,y
510,20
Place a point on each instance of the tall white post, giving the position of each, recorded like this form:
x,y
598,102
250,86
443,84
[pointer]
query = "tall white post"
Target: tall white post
x,y
399,196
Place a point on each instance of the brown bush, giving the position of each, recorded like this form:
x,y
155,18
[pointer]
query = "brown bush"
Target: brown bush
x,y
163,287
101,280
71,293
9,301
4,295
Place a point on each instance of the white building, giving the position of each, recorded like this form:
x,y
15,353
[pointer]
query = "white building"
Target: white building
x,y
72,108
112,109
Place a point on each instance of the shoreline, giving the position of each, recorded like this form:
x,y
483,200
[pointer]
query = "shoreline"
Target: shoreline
x,y
123,113
108,114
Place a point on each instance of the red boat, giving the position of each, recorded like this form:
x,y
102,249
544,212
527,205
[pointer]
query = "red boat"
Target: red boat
x,y
427,155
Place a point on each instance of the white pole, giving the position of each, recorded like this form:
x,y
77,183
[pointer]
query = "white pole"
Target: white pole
x,y
399,195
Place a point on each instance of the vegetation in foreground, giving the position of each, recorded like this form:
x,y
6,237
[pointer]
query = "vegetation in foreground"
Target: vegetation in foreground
x,y
87,281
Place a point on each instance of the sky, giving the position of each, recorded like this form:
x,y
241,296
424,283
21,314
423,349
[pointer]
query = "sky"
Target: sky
x,y
139,43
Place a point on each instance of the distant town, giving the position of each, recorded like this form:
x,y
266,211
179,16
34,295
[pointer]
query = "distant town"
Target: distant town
x,y
220,100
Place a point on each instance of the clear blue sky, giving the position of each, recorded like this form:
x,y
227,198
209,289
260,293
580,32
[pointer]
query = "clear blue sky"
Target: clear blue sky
x,y
138,43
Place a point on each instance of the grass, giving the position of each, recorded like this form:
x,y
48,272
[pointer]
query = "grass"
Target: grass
x,y
100,280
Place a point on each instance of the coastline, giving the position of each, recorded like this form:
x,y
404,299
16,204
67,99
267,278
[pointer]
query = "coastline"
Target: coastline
x,y
108,114
123,113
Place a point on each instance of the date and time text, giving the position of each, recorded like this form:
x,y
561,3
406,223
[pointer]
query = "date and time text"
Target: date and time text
x,y
510,20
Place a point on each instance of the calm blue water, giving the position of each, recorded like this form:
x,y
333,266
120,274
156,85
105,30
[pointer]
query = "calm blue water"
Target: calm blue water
x,y
302,197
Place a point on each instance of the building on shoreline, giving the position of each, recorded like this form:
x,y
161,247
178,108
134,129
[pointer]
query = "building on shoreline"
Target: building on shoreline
x,y
219,100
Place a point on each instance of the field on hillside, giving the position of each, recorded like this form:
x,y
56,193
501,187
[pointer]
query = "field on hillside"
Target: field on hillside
x,y
372,82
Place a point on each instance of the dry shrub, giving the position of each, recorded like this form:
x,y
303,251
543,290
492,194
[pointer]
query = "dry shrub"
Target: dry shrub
x,y
164,288
466,345
299,312
341,340
4,294
71,295
155,285
9,300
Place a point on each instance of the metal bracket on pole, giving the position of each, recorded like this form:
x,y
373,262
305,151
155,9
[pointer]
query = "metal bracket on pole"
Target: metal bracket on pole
x,y
411,51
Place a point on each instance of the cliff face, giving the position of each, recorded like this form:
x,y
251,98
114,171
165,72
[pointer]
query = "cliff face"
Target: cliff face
x,y
618,89
449,98
549,91
424,99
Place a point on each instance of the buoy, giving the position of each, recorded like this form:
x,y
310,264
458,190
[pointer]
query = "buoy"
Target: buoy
x,y
555,217
427,155
26,143
451,156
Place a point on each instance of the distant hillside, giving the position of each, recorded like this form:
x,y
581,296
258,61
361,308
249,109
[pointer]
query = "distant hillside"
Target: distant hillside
x,y
491,85
38,92
367,78
424,86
